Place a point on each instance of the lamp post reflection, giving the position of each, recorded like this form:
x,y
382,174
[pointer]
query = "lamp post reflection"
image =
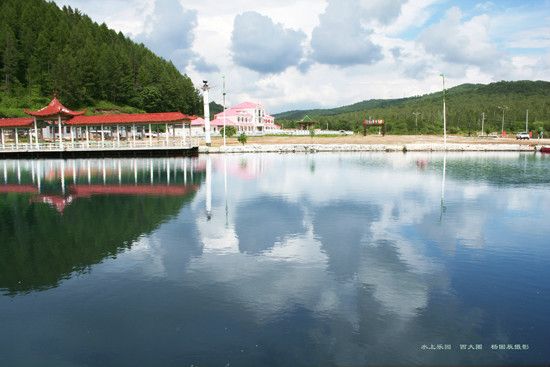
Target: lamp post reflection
x,y
443,187
208,188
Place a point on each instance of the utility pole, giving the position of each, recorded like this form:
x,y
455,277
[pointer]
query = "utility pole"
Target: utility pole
x,y
482,121
527,121
416,120
444,115
224,132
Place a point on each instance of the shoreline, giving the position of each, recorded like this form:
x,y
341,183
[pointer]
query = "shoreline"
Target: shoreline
x,y
389,143
372,143
312,148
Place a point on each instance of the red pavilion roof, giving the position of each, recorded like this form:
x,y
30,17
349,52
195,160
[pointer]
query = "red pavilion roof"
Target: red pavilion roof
x,y
53,109
17,122
129,118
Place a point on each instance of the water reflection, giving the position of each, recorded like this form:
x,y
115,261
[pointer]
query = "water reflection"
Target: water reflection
x,y
100,208
379,263
313,259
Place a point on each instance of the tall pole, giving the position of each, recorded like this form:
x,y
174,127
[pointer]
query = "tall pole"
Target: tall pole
x,y
482,122
527,121
444,115
503,108
224,132
205,89
416,120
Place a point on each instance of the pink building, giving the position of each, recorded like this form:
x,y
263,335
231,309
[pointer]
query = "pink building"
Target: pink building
x,y
248,117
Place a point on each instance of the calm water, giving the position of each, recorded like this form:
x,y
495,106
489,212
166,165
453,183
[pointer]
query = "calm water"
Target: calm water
x,y
341,259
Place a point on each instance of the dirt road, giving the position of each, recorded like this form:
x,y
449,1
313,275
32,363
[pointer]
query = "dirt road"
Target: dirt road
x,y
375,139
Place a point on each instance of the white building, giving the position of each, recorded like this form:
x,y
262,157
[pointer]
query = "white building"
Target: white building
x,y
248,117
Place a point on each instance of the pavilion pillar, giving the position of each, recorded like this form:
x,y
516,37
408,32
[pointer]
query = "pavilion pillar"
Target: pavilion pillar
x,y
118,135
150,135
36,132
166,133
134,134
60,132
16,139
72,135
87,136
182,133
102,135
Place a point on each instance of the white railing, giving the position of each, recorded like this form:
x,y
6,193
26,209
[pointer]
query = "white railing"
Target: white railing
x,y
100,145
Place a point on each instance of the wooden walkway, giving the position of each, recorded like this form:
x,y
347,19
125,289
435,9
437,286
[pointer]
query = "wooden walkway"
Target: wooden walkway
x,y
145,148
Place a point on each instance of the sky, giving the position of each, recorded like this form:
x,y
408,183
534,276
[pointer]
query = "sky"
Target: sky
x,y
304,54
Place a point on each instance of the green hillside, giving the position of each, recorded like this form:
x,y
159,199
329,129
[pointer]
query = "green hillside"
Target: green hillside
x,y
465,105
46,50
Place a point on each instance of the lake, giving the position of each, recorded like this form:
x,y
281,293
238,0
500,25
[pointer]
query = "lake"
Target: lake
x,y
324,259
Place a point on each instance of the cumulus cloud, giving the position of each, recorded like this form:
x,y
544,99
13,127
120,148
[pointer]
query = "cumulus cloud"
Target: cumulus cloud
x,y
170,32
202,65
340,39
385,11
459,43
261,45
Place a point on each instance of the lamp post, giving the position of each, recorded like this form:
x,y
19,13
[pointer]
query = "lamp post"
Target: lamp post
x,y
444,115
416,120
503,108
205,89
224,132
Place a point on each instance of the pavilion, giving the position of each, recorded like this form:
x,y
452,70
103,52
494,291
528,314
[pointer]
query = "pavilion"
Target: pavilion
x,y
55,122
305,123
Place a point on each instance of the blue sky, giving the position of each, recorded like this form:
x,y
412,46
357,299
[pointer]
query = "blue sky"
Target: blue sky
x,y
300,54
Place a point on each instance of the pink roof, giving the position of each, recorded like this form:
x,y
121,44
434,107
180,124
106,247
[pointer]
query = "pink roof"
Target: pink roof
x,y
198,121
130,118
17,122
219,122
246,105
233,112
53,109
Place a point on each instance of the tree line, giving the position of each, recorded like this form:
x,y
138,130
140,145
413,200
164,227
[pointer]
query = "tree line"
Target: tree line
x,y
46,50
468,108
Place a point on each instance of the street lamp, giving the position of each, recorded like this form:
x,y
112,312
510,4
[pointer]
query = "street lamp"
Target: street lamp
x,y
416,121
224,132
205,89
503,108
444,115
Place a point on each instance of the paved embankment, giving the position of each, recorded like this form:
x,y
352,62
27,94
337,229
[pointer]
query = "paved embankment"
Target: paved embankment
x,y
294,148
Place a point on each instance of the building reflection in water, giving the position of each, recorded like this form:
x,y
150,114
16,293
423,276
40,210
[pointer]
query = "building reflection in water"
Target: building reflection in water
x,y
60,182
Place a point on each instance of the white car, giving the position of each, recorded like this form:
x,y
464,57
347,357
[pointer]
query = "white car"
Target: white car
x,y
521,136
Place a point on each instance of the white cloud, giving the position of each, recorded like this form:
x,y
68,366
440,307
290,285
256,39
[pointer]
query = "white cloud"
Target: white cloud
x,y
171,32
261,45
340,39
460,43
384,11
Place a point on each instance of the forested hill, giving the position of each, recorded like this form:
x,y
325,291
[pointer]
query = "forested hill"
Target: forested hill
x,y
468,106
46,50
